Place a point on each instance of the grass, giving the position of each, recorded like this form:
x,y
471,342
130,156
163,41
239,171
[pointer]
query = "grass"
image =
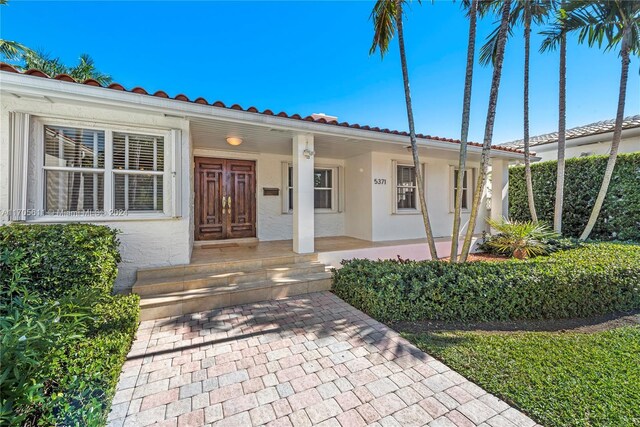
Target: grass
x,y
559,379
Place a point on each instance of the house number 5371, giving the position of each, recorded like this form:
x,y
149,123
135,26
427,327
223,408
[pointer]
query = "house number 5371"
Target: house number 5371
x,y
380,181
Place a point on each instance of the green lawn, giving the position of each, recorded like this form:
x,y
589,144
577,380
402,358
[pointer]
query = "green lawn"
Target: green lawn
x,y
559,379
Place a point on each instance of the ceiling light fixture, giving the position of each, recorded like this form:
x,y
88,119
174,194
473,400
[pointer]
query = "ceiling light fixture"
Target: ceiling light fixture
x,y
232,140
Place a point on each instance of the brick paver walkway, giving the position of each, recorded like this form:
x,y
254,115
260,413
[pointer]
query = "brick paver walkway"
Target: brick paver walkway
x,y
309,360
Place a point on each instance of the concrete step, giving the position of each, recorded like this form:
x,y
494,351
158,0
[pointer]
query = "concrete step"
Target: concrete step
x,y
154,286
216,266
202,299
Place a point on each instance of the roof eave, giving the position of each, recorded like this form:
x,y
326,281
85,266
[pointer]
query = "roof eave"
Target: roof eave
x,y
37,87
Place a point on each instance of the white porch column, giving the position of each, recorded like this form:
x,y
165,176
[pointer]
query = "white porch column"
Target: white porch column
x,y
499,189
303,201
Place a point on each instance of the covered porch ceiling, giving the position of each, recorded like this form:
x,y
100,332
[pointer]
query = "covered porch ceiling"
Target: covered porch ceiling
x,y
211,134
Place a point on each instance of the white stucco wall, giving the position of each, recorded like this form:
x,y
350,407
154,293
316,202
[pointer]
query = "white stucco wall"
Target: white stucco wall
x,y
629,144
273,224
144,242
387,225
358,186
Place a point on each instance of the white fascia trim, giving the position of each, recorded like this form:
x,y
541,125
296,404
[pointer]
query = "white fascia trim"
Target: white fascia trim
x,y
50,89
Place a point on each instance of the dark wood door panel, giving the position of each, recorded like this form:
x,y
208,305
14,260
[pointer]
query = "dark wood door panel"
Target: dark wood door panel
x,y
241,189
209,188
225,199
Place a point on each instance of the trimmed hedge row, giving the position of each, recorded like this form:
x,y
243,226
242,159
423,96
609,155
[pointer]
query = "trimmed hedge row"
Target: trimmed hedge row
x,y
620,215
64,257
593,279
64,336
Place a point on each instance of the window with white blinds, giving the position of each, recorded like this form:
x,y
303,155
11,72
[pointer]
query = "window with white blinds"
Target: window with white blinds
x,y
74,169
324,189
406,186
138,165
99,170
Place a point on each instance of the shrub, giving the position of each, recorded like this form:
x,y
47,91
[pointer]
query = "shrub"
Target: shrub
x,y
62,346
620,215
593,279
59,258
519,239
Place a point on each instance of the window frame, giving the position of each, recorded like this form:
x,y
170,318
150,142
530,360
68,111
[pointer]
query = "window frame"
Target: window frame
x,y
130,172
71,169
335,188
471,172
109,212
394,188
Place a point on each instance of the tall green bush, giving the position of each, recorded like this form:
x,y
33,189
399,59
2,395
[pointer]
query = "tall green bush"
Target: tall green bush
x,y
593,279
620,215
64,337
62,257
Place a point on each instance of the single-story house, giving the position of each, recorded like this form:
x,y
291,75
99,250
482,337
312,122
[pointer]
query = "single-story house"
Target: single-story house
x,y
184,179
588,140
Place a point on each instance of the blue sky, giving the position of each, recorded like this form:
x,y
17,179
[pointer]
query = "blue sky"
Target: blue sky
x,y
305,57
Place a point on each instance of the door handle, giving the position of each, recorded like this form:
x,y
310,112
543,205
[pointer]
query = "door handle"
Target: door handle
x,y
223,205
229,205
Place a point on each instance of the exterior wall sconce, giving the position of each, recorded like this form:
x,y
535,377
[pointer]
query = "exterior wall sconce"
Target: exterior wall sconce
x,y
308,153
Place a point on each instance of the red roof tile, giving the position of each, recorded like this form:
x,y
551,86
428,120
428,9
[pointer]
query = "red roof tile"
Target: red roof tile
x,y
161,94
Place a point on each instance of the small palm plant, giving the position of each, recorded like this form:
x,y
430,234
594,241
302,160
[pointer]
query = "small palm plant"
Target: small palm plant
x,y
520,239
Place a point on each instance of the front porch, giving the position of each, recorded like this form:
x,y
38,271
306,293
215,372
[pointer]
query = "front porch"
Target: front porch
x,y
329,250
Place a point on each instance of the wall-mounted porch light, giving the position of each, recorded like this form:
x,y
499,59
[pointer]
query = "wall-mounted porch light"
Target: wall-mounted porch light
x,y
308,153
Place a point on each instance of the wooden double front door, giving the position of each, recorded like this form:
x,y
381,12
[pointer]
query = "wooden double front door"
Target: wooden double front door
x,y
225,198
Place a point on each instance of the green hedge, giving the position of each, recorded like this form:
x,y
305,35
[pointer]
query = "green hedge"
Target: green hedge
x,y
593,279
620,215
64,257
64,336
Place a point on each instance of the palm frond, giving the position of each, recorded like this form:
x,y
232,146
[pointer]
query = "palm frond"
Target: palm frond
x,y
11,50
537,9
604,23
524,239
384,16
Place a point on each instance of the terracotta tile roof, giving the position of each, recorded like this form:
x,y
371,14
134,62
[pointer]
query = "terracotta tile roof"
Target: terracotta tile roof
x,y
596,128
161,94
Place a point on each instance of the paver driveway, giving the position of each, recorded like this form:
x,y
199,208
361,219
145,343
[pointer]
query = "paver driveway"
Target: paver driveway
x,y
308,360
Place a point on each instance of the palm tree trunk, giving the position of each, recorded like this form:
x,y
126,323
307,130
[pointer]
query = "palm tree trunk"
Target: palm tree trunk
x,y
412,136
488,130
527,160
464,134
562,119
617,134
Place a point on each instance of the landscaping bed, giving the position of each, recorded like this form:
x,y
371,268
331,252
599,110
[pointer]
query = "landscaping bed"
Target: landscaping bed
x,y
593,279
65,336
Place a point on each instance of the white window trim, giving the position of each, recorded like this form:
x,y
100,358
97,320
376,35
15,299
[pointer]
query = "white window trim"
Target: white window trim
x,y
394,188
336,188
170,169
471,173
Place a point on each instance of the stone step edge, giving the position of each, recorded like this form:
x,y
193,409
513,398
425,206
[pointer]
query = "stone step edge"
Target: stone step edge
x,y
166,281
271,261
192,294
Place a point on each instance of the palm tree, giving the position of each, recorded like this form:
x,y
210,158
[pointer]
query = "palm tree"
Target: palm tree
x,y
464,134
84,70
616,23
488,130
42,61
525,13
11,50
557,37
387,17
